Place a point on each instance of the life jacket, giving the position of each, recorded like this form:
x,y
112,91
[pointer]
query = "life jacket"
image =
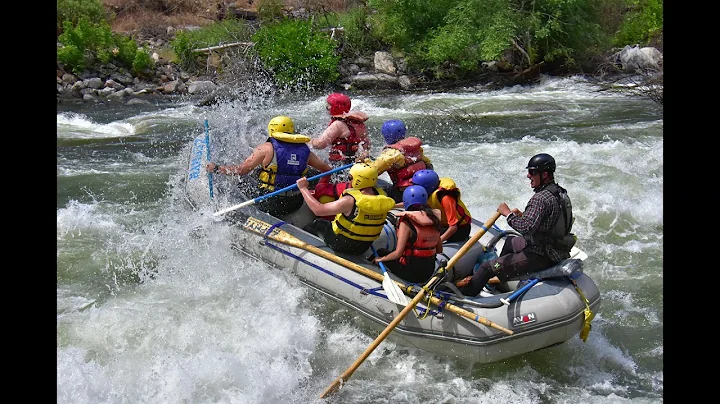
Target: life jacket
x,y
411,148
289,162
423,235
344,149
327,192
366,220
447,187
559,237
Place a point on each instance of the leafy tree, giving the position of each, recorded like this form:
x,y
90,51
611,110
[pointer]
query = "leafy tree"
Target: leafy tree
x,y
404,23
642,24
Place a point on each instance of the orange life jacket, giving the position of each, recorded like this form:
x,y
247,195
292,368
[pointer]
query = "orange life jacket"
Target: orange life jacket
x,y
411,148
423,238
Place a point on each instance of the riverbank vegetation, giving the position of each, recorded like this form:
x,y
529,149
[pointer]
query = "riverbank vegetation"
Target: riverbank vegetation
x,y
300,43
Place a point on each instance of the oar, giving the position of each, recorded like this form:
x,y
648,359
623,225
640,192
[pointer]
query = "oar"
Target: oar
x,y
519,291
346,375
279,191
392,290
258,226
207,147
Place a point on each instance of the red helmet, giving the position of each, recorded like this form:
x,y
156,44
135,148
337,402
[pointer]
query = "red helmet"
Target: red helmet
x,y
339,103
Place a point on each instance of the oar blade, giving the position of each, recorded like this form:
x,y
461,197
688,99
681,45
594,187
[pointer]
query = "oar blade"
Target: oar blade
x,y
393,291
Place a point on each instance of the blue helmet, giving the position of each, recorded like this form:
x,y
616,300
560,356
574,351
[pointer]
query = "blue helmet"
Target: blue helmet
x,y
393,131
414,195
427,179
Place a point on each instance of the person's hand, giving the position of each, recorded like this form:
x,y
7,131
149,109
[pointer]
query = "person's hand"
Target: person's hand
x,y
463,282
503,209
302,183
210,167
377,260
517,212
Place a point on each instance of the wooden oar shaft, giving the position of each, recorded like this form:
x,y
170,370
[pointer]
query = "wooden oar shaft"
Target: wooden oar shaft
x,y
284,237
334,386
474,239
288,239
349,371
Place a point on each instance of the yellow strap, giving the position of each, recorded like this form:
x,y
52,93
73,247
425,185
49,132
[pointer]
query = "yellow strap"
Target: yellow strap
x,y
427,298
589,315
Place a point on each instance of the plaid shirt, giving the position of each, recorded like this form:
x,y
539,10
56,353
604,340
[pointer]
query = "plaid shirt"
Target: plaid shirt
x,y
540,215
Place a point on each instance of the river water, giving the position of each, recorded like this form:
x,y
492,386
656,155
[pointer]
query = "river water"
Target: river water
x,y
153,305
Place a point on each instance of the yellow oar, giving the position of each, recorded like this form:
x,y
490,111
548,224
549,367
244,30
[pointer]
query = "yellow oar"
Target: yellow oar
x,y
281,236
346,375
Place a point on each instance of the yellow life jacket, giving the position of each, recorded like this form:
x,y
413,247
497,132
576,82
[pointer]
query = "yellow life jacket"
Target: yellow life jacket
x,y
365,222
447,187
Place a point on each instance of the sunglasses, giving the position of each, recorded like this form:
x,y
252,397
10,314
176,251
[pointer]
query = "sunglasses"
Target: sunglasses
x,y
533,172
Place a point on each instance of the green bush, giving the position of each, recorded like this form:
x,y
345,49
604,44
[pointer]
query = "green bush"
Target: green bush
x,y
142,60
73,10
357,37
72,57
296,55
641,24
227,31
88,43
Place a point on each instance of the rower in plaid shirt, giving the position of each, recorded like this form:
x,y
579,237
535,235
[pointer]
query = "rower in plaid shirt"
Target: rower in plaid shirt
x,y
545,227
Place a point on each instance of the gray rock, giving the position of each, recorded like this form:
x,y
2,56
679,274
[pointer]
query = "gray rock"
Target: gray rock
x,y
68,78
134,101
201,87
374,81
384,63
94,82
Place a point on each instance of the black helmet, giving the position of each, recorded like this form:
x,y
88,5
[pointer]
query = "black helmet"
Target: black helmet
x,y
542,162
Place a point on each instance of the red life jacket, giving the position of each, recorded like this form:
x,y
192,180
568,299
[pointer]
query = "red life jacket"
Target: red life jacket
x,y
423,238
410,147
345,148
331,191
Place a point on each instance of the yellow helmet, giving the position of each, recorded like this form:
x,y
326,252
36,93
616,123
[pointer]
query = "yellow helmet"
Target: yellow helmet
x,y
363,175
281,124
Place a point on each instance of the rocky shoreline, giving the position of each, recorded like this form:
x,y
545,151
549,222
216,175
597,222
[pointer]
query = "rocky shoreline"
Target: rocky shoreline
x,y
378,71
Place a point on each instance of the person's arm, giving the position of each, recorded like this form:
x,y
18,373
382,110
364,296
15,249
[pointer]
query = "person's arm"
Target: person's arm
x,y
448,206
332,132
428,163
317,162
439,246
528,221
387,158
253,160
344,204
403,234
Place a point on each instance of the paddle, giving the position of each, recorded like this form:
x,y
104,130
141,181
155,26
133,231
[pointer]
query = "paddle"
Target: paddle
x,y
207,146
258,226
392,290
346,375
519,291
279,191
